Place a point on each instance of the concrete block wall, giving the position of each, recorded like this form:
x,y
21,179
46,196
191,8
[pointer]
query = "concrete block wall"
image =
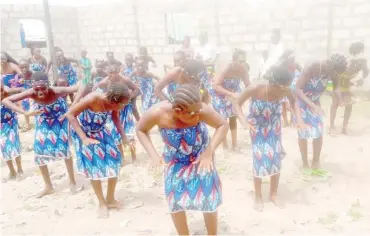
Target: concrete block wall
x,y
312,28
64,22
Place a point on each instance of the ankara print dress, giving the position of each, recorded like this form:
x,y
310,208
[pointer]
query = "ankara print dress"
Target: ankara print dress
x,y
69,73
51,133
127,120
9,136
35,66
314,88
219,102
148,99
184,188
265,121
171,88
97,161
12,81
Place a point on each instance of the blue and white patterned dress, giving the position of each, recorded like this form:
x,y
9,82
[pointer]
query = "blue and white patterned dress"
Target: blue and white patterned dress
x,y
9,136
128,121
148,98
184,188
265,121
12,81
51,134
97,161
171,88
219,102
69,73
35,66
314,88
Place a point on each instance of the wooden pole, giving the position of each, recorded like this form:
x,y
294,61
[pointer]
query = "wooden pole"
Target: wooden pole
x,y
50,37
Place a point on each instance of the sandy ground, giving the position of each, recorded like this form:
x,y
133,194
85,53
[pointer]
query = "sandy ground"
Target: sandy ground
x,y
340,205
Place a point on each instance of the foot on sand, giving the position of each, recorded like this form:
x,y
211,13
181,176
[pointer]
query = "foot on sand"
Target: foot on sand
x,y
114,204
73,188
45,191
258,204
277,201
20,176
344,131
103,212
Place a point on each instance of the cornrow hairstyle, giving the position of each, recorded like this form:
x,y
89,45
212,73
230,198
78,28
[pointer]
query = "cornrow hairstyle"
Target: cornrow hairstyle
x,y
238,52
280,75
193,68
338,63
117,92
185,95
356,48
39,76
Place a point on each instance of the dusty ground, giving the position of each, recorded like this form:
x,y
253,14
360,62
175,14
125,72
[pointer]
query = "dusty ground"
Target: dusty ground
x,y
338,206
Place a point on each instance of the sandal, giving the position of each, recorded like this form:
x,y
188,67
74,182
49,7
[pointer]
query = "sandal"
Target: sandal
x,y
321,173
306,175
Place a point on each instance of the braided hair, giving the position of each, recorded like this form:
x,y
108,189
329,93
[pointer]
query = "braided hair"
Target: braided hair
x,y
39,76
9,58
356,48
117,92
193,68
280,75
186,95
338,63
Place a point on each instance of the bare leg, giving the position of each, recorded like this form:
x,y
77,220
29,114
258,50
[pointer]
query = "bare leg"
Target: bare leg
x,y
72,181
133,150
12,173
110,200
120,148
180,222
224,144
258,201
273,191
134,109
211,222
347,115
333,113
303,148
18,161
28,126
317,145
48,189
234,135
103,208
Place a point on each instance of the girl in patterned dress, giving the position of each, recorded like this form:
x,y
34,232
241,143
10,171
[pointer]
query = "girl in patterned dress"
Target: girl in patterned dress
x,y
9,136
24,66
356,64
226,87
10,72
37,62
265,129
309,87
66,70
114,76
179,59
181,74
144,79
127,71
191,179
98,157
51,132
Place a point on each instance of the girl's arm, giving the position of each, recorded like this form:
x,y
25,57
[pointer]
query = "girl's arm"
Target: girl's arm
x,y
76,109
296,109
66,90
101,84
17,70
302,81
118,124
215,120
240,100
167,79
11,101
219,79
143,126
133,87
